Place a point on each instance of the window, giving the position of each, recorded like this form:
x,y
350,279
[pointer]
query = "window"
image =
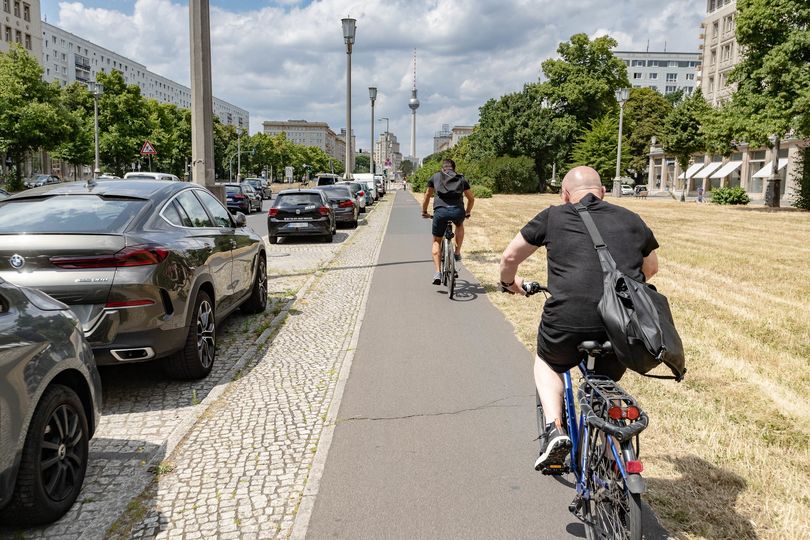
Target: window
x,y
711,84
670,89
636,75
8,34
26,12
194,209
653,75
18,37
673,63
174,214
7,6
713,57
690,76
715,28
639,63
28,41
222,217
16,9
69,214
672,77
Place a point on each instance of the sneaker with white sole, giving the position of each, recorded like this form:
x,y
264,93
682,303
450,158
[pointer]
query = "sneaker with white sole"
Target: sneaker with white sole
x,y
557,447
437,278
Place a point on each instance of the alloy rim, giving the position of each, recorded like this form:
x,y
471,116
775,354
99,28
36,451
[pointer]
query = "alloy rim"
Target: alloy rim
x,y
206,341
62,453
262,283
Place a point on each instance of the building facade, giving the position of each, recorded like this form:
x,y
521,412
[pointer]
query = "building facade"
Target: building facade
x,y
442,138
719,49
304,133
666,72
20,22
386,150
67,58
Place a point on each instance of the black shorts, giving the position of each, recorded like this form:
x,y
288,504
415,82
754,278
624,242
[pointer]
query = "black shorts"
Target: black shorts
x,y
558,348
442,215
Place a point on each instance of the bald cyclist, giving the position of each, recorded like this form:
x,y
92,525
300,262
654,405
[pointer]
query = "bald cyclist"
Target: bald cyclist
x,y
570,315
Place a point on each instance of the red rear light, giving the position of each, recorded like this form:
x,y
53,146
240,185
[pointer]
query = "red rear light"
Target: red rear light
x,y
633,413
619,413
238,196
361,193
323,210
141,255
273,212
634,467
346,204
131,303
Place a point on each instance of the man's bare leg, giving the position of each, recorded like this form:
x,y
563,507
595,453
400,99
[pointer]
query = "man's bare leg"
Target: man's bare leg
x,y
459,237
550,389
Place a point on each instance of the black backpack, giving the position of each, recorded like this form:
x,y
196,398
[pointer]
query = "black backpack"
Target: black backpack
x,y
448,187
637,318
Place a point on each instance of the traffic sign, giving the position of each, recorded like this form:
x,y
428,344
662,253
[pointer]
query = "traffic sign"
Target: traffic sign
x,y
147,149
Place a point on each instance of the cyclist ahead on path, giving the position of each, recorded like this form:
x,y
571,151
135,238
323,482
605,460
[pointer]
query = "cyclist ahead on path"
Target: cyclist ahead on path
x,y
449,188
570,315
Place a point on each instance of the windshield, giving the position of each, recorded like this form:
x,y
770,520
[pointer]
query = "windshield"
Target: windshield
x,y
298,199
337,191
68,214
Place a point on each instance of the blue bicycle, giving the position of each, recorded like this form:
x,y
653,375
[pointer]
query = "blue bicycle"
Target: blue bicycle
x,y
604,457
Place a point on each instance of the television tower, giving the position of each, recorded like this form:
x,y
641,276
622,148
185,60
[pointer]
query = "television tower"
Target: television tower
x,y
413,104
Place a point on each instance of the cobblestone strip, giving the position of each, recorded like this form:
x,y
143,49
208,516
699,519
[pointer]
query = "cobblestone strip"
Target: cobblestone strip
x,y
242,470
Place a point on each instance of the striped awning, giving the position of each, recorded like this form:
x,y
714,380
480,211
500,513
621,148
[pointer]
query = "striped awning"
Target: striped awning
x,y
726,169
707,170
691,170
765,171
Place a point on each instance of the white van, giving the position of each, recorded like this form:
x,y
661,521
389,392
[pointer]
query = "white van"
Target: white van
x,y
367,179
144,175
327,179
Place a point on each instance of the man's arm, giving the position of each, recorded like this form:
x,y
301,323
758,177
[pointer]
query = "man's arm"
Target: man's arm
x,y
515,253
470,201
426,200
650,265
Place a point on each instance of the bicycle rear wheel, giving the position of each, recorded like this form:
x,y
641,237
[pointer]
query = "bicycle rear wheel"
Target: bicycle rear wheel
x,y
451,273
443,261
612,511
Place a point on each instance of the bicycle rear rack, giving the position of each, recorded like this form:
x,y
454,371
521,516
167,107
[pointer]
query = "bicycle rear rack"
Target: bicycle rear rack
x,y
597,394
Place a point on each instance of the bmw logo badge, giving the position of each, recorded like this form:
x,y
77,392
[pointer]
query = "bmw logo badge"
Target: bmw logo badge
x,y
17,261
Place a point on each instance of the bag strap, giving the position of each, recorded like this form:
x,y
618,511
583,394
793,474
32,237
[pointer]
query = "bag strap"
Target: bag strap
x,y
605,258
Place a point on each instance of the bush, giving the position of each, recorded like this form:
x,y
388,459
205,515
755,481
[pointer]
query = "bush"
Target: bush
x,y
509,174
730,195
802,199
481,192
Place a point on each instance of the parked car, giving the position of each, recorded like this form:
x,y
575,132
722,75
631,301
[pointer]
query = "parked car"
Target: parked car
x,y
107,176
326,179
41,180
51,403
150,267
261,186
359,192
641,191
367,180
344,203
627,190
301,212
242,198
145,175
4,194
379,181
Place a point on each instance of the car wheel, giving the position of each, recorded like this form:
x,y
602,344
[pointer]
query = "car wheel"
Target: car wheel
x,y
329,237
334,229
54,460
257,301
273,239
196,358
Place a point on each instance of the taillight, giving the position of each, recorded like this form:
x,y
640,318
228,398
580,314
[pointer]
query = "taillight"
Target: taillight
x,y
140,255
323,210
361,193
238,197
634,467
345,204
619,413
273,212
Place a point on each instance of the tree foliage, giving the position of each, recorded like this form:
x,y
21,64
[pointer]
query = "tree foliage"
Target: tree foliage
x,y
597,148
683,128
644,115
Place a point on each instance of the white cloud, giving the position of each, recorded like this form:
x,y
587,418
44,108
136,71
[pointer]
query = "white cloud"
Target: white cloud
x,y
288,60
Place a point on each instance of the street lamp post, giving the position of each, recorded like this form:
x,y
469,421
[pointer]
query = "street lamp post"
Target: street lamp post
x,y
621,96
386,140
372,93
773,187
239,154
348,37
97,90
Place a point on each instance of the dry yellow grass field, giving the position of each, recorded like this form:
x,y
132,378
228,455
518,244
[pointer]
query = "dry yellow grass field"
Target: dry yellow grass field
x,y
727,453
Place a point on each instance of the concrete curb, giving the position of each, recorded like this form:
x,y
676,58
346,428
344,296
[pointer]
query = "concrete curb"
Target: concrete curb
x,y
307,502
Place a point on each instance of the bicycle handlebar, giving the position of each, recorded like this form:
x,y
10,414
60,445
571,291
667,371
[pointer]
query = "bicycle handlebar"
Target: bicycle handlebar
x,y
529,287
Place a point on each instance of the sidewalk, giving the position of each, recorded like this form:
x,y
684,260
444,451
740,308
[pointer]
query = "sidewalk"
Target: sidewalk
x,y
240,472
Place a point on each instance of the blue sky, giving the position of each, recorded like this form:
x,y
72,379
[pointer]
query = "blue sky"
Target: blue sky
x,y
286,59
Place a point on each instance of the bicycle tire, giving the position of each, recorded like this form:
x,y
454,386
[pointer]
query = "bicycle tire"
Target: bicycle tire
x,y
451,275
612,511
444,262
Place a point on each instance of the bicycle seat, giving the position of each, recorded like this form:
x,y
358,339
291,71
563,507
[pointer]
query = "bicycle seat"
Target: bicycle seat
x,y
595,348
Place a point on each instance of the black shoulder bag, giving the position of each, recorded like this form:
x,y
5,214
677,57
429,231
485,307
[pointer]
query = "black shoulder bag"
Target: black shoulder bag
x,y
636,316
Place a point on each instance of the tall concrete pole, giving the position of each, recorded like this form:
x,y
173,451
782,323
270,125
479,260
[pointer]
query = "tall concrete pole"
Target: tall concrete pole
x,y
202,98
413,104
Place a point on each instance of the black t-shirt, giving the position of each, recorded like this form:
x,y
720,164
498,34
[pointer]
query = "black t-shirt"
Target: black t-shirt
x,y
449,199
574,272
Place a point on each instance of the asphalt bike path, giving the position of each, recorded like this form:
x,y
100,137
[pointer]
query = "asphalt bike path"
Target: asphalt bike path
x,y
434,437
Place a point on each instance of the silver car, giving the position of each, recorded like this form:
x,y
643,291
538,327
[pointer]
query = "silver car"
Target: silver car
x,y
50,403
149,267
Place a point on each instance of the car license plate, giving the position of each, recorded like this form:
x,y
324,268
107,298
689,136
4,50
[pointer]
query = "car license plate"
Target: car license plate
x,y
299,225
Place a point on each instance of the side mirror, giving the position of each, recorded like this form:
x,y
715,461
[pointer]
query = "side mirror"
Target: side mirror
x,y
240,219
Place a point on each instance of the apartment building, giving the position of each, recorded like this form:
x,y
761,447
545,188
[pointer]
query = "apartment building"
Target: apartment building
x,y
20,22
720,50
666,72
67,57
304,133
386,150
442,138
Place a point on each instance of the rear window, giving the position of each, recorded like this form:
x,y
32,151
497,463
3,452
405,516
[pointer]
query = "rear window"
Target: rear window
x,y
232,190
140,177
337,191
298,199
68,214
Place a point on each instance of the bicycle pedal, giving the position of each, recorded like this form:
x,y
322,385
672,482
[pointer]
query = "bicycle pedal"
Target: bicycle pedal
x,y
554,470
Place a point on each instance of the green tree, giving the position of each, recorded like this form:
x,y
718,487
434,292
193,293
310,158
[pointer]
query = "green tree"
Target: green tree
x,y
124,122
407,167
597,148
683,128
31,115
644,115
171,136
224,140
362,164
79,147
773,78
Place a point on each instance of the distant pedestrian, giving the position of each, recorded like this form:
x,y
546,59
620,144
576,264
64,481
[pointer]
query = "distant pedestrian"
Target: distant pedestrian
x,y
700,194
